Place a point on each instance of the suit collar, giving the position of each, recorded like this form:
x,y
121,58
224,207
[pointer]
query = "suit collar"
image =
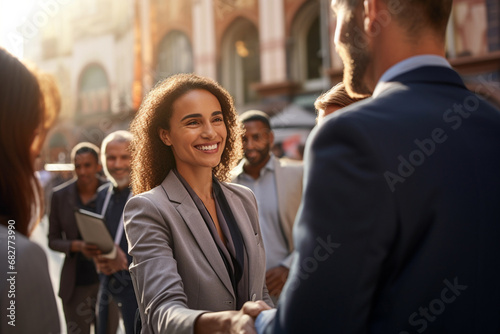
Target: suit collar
x,y
238,169
242,220
174,189
437,75
412,63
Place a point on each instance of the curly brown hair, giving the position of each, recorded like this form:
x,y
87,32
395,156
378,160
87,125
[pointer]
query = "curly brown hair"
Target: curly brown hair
x,y
152,160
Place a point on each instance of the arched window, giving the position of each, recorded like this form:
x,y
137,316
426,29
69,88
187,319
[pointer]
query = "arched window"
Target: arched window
x,y
93,91
175,55
314,61
240,66
306,62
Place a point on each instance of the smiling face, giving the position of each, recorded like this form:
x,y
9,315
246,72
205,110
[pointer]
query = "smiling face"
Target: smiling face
x,y
86,168
197,132
257,142
117,158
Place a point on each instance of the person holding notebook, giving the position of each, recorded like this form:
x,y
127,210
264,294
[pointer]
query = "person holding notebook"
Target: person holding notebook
x,y
115,281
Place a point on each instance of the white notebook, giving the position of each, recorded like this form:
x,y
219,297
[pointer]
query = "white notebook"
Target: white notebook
x,y
94,231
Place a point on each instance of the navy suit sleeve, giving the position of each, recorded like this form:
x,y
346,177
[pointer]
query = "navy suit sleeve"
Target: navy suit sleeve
x,y
343,233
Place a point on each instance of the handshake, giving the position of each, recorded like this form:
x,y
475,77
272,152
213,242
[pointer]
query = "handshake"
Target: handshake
x,y
231,322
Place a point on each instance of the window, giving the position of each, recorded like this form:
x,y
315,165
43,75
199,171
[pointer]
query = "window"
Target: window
x,y
306,61
175,55
93,91
240,67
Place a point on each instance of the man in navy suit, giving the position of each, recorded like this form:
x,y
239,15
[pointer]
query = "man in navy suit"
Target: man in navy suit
x,y
399,226
115,281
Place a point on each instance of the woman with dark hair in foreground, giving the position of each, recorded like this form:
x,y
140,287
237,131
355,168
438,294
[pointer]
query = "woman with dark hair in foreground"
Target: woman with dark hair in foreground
x,y
29,104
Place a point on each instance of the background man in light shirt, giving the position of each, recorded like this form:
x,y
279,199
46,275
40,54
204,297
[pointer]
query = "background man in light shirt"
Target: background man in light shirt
x,y
277,185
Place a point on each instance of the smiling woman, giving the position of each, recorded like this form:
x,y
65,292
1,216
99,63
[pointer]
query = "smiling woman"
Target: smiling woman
x,y
203,233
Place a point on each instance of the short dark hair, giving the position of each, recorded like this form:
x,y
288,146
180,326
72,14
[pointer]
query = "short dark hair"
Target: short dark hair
x,y
85,147
256,115
431,13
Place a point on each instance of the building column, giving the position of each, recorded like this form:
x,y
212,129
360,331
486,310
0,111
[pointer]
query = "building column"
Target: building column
x,y
493,10
204,50
272,41
146,45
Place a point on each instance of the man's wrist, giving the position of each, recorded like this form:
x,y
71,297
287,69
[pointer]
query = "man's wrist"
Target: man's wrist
x,y
264,319
76,246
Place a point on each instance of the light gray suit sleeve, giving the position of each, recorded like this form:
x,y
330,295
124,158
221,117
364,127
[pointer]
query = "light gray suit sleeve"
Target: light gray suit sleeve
x,y
158,285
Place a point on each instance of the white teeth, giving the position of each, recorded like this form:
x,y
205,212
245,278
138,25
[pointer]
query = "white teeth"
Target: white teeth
x,y
207,147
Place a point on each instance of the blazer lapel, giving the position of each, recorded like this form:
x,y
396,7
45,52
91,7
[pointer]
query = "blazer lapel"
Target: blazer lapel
x,y
185,206
247,232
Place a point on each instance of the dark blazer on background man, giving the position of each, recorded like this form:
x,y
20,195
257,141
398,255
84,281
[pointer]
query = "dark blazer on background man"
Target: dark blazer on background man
x,y
177,270
62,231
399,226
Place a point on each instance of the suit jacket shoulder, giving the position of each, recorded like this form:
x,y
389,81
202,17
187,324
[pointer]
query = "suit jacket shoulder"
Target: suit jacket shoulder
x,y
35,304
239,190
65,187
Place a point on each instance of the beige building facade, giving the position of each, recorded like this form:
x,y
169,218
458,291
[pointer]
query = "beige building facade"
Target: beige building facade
x,y
274,55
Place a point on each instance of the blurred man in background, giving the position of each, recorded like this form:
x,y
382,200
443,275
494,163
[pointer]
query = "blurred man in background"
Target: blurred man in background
x,y
116,284
79,281
277,185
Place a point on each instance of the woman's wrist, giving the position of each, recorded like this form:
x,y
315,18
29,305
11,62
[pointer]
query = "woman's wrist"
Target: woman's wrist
x,y
214,322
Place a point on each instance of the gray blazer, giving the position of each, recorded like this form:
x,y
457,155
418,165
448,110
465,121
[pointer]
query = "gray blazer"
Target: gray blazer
x,y
176,270
32,294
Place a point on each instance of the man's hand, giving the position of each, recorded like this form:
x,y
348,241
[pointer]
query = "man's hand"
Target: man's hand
x,y
253,309
231,322
275,279
111,266
89,250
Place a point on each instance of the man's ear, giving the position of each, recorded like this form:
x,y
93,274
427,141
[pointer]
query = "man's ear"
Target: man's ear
x,y
164,136
370,15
